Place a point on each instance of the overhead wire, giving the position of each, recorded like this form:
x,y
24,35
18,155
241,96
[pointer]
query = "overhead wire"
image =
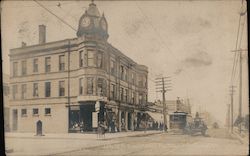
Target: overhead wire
x,y
55,15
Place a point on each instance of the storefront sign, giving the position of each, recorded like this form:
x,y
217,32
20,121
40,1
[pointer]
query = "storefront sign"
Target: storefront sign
x,y
94,119
74,108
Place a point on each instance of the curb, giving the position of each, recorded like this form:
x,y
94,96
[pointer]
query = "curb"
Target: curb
x,y
91,147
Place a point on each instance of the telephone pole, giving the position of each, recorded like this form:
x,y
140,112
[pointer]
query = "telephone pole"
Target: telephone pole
x,y
240,85
232,107
163,85
228,117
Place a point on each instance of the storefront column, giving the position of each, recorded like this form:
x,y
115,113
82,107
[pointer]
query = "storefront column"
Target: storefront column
x,y
132,121
126,121
168,121
120,121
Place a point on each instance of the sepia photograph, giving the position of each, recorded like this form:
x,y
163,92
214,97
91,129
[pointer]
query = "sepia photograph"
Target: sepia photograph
x,y
124,77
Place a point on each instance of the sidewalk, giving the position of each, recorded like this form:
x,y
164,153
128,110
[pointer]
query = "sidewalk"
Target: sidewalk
x,y
243,137
51,144
78,135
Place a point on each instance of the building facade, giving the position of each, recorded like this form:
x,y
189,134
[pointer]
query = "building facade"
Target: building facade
x,y
71,85
6,94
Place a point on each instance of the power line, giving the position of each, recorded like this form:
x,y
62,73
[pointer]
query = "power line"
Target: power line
x,y
161,41
238,42
55,15
238,55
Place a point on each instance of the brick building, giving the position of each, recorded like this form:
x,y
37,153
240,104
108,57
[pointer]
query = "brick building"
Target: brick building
x,y
73,82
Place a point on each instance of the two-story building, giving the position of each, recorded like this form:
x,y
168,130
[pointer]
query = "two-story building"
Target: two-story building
x,y
73,84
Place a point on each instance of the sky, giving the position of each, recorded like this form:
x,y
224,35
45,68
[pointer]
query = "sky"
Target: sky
x,y
190,41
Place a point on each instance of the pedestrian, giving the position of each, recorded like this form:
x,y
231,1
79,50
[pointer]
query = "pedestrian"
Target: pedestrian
x,y
99,130
145,126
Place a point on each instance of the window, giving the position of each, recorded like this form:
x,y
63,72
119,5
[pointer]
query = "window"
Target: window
x,y
23,112
101,86
99,60
24,67
133,78
35,111
112,91
140,99
125,74
15,69
81,86
91,59
47,64
47,111
140,81
14,91
6,90
35,90
133,98
112,67
35,65
61,88
145,81
47,89
90,85
122,94
61,63
83,59
122,72
24,91
126,95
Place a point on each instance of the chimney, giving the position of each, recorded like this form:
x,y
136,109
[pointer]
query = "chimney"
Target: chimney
x,y
42,34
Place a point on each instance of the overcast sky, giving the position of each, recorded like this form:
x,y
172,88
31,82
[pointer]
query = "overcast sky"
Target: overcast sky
x,y
187,40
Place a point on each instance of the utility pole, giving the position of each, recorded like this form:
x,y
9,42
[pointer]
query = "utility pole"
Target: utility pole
x,y
240,85
228,117
232,108
162,86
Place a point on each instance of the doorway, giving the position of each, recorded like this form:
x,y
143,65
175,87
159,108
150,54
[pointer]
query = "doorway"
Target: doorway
x,y
86,116
15,119
39,127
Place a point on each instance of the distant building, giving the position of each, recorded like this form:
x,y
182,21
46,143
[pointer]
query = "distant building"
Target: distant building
x,y
72,84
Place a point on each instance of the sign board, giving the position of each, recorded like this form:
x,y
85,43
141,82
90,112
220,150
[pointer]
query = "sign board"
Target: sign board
x,y
94,119
74,107
97,106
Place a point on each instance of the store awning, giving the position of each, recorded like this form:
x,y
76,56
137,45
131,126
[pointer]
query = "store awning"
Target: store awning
x,y
156,116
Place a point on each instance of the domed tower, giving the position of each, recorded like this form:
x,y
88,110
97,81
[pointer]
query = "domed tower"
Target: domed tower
x,y
92,23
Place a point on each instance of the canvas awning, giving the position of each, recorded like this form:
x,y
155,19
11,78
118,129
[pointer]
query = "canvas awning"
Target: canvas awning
x,y
156,116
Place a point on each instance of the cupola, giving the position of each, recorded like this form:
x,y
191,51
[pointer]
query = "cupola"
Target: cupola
x,y
92,23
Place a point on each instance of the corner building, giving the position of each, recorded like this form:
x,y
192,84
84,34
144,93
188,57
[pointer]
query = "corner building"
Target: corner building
x,y
71,85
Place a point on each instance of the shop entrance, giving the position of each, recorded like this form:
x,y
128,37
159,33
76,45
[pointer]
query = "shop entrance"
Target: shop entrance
x,y
83,117
86,116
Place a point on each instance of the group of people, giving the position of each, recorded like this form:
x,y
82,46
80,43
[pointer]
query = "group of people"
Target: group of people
x,y
157,126
78,125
